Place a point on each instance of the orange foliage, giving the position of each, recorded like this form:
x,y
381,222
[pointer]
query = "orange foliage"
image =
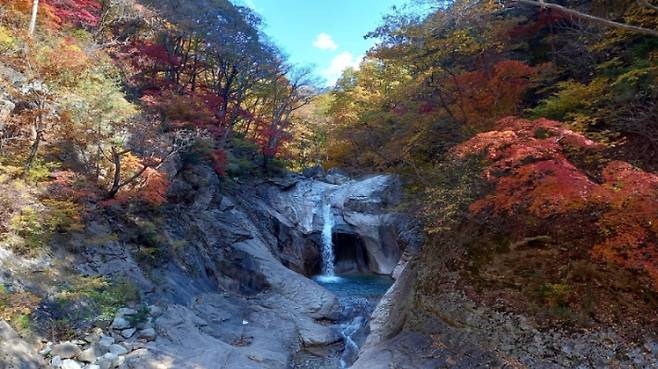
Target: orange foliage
x,y
65,62
630,222
493,93
532,175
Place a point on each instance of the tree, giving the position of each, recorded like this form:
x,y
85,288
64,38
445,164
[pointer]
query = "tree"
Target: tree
x,y
289,91
33,19
39,95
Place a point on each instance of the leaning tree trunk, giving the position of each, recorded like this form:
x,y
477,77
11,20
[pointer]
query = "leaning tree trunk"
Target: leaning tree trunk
x,y
33,20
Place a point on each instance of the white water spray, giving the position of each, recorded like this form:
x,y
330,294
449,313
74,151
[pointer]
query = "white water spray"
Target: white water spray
x,y
327,243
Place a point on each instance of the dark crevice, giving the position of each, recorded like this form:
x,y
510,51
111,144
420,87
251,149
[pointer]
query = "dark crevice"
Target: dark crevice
x,y
350,254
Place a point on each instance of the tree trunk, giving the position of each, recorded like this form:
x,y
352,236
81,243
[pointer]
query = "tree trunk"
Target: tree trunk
x,y
33,152
116,182
33,20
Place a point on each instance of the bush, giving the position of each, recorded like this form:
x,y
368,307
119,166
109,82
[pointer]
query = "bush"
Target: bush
x,y
88,299
16,308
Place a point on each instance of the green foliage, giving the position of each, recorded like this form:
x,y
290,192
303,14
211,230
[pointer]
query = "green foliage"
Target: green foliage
x,y
35,227
16,308
29,227
141,316
554,295
242,158
572,98
40,170
455,185
8,43
88,299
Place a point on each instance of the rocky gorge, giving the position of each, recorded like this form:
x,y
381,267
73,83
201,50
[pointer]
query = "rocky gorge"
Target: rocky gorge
x,y
241,287
236,291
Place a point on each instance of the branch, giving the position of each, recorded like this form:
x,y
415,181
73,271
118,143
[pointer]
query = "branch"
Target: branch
x,y
589,17
647,4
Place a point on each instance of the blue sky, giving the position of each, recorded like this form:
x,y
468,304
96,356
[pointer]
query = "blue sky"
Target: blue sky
x,y
324,34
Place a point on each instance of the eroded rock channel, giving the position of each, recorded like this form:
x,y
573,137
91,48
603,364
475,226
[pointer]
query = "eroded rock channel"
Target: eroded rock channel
x,y
241,289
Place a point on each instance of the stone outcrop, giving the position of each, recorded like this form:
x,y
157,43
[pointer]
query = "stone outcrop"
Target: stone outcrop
x,y
16,353
361,208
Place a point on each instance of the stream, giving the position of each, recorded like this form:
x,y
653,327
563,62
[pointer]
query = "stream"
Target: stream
x,y
358,295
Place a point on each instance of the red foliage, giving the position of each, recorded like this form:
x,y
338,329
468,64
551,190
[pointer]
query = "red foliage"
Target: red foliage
x,y
64,186
630,222
158,54
219,162
532,175
493,92
76,12
545,18
271,137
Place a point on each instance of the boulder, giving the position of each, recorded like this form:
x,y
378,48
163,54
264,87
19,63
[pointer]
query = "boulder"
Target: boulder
x,y
71,364
155,311
127,333
118,350
126,311
314,172
120,323
90,354
66,350
147,334
105,342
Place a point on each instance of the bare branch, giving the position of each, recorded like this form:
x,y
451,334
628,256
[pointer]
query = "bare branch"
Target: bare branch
x,y
592,18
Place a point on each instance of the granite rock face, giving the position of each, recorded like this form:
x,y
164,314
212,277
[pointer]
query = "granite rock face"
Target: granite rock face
x,y
16,353
236,289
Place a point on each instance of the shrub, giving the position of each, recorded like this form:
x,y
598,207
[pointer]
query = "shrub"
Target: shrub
x,y
87,299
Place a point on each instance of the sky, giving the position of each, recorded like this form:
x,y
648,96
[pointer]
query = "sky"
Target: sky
x,y
326,35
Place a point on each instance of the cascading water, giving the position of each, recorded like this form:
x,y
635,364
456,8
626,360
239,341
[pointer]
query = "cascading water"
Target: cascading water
x,y
358,295
327,243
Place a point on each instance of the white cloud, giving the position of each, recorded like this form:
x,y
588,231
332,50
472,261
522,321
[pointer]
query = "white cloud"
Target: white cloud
x,y
324,42
338,64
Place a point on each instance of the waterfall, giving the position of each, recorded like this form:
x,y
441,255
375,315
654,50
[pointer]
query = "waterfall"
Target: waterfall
x,y
327,243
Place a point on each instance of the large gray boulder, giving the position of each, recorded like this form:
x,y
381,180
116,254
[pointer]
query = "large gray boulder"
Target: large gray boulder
x,y
16,353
